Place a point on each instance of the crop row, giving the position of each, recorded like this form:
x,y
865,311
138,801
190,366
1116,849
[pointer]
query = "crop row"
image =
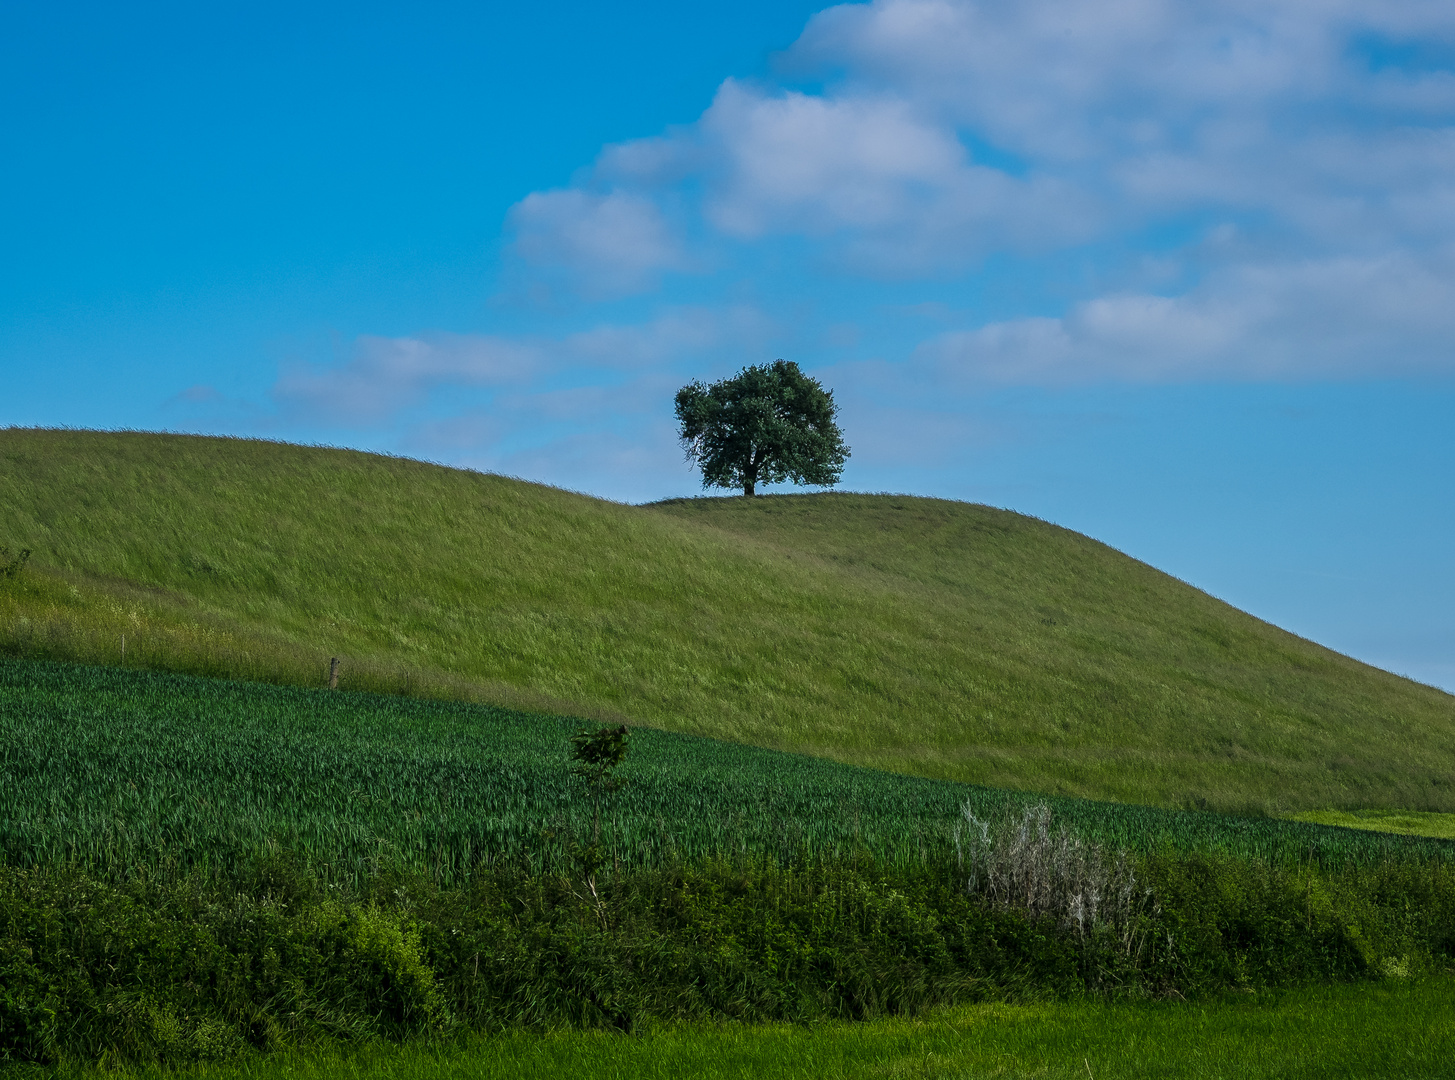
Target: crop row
x,y
121,771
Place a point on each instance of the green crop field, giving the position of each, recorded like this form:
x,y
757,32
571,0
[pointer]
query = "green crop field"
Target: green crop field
x,y
939,639
117,771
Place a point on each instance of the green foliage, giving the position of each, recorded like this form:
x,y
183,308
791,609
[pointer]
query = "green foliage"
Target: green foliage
x,y
767,424
1407,822
182,972
187,970
597,752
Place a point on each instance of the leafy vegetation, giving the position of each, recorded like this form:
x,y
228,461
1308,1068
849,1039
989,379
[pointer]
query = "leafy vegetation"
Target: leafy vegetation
x,y
179,969
926,637
767,424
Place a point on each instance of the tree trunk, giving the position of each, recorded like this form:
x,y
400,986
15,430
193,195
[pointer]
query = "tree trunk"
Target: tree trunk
x,y
750,475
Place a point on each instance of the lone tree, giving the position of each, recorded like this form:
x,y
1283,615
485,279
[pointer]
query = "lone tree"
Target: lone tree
x,y
597,752
769,423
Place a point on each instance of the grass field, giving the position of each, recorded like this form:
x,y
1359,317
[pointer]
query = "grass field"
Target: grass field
x,y
1400,1029
1407,822
114,770
928,637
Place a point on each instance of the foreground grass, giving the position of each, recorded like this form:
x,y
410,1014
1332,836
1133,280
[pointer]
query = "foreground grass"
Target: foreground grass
x,y
1406,822
941,639
1397,1028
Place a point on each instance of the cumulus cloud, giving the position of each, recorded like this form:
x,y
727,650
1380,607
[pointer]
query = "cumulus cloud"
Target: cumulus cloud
x,y
1182,190
900,189
1320,133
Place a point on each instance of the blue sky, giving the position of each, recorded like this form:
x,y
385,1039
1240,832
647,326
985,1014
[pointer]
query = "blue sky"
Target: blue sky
x,y
1177,275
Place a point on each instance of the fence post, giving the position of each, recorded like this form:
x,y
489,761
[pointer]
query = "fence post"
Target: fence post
x,y
333,674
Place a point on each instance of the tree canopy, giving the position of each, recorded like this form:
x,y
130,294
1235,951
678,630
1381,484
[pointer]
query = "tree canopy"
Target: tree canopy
x,y
767,424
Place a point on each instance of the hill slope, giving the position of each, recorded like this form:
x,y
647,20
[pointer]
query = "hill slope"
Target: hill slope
x,y
931,637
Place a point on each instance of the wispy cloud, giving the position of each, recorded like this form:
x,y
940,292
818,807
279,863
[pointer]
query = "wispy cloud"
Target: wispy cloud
x,y
1387,316
604,245
576,407
383,376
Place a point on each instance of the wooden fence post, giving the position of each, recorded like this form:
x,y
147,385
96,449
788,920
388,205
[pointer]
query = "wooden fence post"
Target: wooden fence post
x,y
333,674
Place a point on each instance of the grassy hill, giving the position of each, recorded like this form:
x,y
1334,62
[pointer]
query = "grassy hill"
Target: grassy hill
x,y
937,638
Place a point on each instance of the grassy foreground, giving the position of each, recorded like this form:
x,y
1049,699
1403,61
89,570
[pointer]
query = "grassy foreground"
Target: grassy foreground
x,y
942,639
1398,1029
192,869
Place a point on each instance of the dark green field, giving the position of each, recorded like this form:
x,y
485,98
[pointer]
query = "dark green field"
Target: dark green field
x,y
118,772
933,638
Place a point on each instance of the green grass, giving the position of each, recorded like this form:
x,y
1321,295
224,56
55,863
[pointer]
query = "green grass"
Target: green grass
x,y
1397,1029
941,639
1407,822
116,771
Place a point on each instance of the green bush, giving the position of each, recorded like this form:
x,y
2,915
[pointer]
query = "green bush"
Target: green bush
x,y
171,970
182,972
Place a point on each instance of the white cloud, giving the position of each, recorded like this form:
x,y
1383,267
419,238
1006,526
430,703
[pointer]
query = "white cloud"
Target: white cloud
x,y
1338,318
950,130
821,163
385,375
608,244
384,378
683,333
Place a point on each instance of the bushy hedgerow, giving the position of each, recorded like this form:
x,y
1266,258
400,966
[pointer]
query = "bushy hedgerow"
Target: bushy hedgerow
x,y
190,969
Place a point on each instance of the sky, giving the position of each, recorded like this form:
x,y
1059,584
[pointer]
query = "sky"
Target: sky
x,y
1177,275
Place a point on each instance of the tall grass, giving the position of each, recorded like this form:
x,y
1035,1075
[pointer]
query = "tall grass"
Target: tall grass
x,y
121,772
928,637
